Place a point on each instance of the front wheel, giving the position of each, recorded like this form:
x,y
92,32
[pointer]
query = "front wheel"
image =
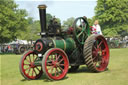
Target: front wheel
x,y
27,67
96,53
55,64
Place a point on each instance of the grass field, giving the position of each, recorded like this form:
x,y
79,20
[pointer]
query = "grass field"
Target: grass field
x,y
117,73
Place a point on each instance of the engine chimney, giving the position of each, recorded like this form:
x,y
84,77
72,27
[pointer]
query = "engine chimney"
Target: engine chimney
x,y
42,12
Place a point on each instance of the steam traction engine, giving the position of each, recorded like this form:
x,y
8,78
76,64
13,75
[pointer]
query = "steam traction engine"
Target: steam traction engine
x,y
57,50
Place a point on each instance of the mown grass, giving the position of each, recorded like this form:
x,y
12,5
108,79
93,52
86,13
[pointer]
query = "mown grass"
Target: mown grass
x,y
117,73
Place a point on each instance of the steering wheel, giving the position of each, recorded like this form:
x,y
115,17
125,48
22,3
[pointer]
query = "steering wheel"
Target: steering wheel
x,y
80,30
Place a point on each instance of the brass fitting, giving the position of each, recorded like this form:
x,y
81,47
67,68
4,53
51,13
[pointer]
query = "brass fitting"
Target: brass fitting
x,y
43,6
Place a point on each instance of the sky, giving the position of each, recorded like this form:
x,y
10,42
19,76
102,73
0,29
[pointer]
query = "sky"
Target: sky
x,y
62,9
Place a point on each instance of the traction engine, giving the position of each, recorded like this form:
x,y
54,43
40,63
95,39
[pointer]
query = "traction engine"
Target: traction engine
x,y
58,52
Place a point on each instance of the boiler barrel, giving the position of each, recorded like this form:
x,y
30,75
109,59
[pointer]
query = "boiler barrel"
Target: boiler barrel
x,y
67,44
43,44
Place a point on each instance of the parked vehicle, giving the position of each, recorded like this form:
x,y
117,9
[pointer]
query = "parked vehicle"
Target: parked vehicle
x,y
116,42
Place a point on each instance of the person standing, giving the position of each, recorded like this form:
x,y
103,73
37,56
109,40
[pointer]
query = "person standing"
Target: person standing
x,y
97,27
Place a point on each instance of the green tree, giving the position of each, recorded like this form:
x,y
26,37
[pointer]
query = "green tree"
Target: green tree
x,y
34,28
30,20
12,20
48,18
69,22
91,21
113,16
31,31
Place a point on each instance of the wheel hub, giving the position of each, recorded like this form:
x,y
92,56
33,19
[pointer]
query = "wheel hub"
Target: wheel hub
x,y
55,64
32,65
99,53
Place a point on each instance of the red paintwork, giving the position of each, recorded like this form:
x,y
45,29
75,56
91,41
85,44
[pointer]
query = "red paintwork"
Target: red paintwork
x,y
102,50
56,64
28,68
41,46
70,30
93,30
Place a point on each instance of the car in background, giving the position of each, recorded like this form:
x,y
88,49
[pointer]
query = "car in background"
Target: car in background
x,y
17,47
117,42
20,46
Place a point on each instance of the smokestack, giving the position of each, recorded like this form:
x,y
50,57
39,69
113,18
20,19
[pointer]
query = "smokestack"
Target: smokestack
x,y
42,12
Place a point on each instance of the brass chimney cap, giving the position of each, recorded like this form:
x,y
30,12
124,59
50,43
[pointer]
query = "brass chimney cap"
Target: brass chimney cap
x,y
43,6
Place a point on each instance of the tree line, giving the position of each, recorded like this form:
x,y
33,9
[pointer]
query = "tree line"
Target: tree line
x,y
15,23
112,16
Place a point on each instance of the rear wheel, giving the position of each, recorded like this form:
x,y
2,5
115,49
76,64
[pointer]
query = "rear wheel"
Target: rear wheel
x,y
55,64
96,53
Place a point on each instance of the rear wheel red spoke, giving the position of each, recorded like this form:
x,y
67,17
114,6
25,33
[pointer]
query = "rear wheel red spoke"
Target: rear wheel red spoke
x,y
94,58
104,50
99,45
95,48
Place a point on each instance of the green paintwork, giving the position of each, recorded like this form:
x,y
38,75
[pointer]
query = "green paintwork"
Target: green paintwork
x,y
70,44
67,44
89,31
38,62
59,44
85,30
